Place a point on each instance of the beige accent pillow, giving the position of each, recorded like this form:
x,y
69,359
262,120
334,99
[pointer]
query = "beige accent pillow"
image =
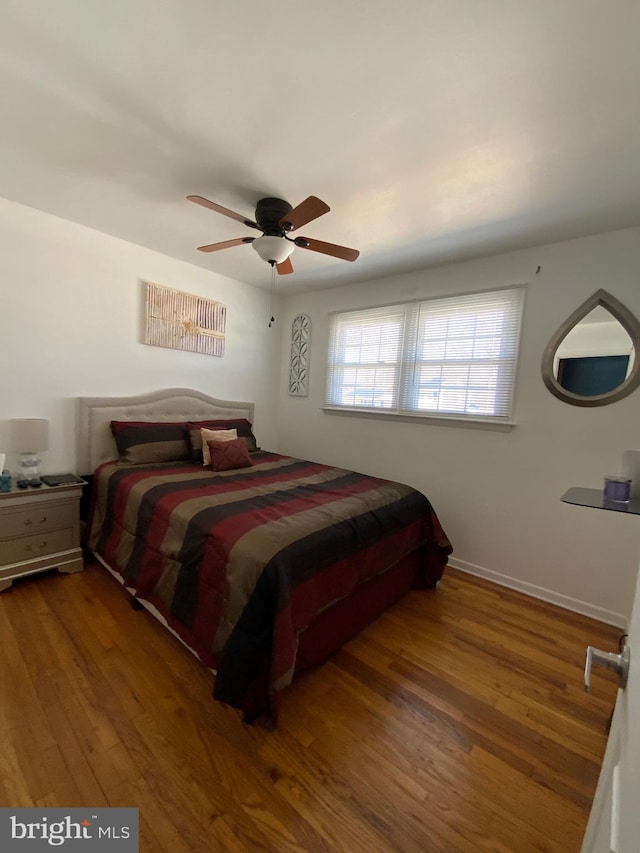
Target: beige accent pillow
x,y
214,435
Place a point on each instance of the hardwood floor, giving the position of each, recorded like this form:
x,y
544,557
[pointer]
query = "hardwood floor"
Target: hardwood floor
x,y
457,722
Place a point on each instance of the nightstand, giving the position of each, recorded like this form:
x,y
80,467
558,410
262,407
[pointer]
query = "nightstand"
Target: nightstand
x,y
39,529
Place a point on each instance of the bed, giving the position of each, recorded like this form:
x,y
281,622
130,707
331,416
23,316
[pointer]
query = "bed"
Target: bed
x,y
261,568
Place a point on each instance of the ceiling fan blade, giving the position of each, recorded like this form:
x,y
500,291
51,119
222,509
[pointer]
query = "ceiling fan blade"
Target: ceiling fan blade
x,y
327,248
308,210
225,244
198,199
285,267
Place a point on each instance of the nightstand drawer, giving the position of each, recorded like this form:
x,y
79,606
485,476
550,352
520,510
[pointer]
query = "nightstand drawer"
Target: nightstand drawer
x,y
40,545
37,519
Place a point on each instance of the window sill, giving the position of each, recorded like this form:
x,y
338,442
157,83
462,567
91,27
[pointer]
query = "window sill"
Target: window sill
x,y
434,420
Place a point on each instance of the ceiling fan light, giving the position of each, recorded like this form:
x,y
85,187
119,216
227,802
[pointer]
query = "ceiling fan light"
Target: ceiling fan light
x,y
275,249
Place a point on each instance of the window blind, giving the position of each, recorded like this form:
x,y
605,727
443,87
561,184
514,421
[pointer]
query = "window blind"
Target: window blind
x,y
452,356
365,358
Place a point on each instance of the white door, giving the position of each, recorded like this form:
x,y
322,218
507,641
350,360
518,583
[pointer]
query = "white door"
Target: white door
x,y
614,823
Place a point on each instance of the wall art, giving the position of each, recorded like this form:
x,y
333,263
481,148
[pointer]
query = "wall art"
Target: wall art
x,y
182,321
299,361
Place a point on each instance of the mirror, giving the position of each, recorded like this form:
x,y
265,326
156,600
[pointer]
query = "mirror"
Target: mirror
x,y
592,360
595,357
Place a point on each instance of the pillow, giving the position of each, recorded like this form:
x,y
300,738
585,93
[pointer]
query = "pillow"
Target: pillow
x,y
215,435
227,455
139,442
241,425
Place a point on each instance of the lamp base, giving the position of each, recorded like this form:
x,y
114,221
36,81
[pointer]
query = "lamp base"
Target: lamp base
x,y
29,466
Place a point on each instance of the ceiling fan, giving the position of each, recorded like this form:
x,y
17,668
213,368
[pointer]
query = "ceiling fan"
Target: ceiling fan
x,y
275,218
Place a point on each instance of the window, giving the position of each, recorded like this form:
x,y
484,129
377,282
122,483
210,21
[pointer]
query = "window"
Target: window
x,y
453,356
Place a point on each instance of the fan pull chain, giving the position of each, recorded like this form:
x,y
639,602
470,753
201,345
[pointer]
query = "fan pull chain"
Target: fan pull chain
x,y
273,285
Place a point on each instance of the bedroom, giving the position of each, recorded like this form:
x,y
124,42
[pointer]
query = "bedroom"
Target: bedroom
x,y
72,295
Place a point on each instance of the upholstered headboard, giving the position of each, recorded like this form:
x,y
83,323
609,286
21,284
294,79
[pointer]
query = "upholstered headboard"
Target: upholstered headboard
x,y
95,441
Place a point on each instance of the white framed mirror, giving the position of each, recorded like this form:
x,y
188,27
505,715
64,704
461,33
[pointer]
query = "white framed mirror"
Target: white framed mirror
x,y
593,358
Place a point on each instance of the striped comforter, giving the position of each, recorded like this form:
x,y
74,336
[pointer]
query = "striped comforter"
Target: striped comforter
x,y
240,562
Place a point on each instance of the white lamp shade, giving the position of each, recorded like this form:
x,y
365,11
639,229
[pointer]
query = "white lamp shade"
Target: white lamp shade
x,y
275,249
30,435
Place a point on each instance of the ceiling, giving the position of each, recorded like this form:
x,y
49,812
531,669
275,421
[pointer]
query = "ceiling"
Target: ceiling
x,y
436,130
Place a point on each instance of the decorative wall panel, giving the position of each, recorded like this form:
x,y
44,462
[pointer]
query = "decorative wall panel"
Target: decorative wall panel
x,y
181,321
299,361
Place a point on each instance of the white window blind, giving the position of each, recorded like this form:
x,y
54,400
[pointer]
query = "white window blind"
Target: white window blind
x,y
453,356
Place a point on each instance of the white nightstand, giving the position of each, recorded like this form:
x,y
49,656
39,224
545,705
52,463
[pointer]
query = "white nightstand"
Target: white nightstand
x,y
39,529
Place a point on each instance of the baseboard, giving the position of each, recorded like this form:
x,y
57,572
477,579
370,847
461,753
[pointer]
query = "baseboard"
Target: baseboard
x,y
610,617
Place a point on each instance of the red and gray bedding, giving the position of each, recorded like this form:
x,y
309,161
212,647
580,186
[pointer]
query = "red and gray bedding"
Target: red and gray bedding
x,y
240,562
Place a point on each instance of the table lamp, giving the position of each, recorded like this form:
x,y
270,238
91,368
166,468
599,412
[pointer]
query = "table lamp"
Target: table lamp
x,y
30,438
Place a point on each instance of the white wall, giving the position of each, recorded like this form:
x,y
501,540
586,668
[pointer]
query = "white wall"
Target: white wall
x,y
498,493
71,319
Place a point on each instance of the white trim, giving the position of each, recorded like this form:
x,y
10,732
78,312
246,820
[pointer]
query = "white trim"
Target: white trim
x,y
610,617
436,420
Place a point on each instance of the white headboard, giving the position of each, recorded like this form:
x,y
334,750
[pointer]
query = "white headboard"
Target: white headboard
x,y
95,441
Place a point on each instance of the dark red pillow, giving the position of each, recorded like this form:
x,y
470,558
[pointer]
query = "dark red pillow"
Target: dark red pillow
x,y
227,455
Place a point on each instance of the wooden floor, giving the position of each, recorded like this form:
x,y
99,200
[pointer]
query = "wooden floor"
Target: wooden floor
x,y
457,722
